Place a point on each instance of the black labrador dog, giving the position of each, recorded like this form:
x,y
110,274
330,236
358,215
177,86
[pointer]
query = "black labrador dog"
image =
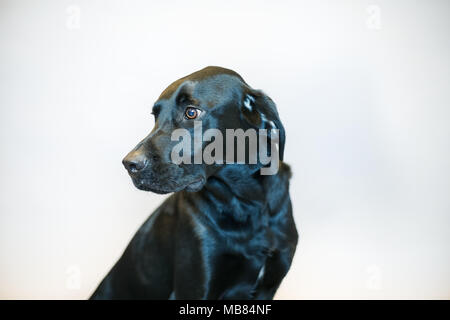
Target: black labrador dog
x,y
227,232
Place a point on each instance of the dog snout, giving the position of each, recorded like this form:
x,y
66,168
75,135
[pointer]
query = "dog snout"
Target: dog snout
x,y
135,161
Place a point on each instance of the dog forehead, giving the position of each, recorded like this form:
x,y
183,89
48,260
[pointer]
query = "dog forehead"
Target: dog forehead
x,y
210,80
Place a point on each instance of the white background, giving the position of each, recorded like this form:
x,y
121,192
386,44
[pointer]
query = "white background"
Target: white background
x,y
361,86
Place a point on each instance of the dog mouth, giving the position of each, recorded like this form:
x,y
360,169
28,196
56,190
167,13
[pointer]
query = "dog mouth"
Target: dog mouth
x,y
145,185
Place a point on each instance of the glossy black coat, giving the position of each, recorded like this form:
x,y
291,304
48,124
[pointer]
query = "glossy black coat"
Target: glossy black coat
x,y
227,232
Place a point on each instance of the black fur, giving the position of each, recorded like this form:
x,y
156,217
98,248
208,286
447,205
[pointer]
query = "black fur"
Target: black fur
x,y
227,232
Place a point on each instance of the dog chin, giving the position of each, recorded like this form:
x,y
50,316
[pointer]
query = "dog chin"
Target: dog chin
x,y
194,186
145,186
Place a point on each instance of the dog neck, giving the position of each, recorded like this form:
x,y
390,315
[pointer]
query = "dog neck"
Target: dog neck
x,y
234,196
234,180
237,192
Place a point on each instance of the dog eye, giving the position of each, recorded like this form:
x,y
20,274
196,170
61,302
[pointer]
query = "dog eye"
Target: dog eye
x,y
192,113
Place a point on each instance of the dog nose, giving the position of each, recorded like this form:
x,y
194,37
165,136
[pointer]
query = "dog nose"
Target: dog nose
x,y
134,162
133,165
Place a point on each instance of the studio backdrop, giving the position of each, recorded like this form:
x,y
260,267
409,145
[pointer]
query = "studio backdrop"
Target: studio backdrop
x,y
362,88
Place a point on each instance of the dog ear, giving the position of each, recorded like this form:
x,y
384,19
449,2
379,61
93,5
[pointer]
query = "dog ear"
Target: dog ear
x,y
260,112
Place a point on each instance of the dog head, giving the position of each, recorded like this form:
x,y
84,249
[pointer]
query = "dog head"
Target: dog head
x,y
215,98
